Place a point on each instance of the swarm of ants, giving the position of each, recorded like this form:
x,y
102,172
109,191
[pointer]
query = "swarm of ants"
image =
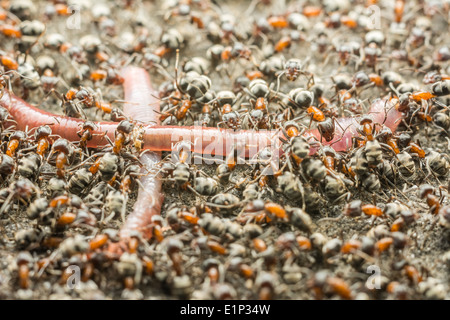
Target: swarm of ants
x,y
356,100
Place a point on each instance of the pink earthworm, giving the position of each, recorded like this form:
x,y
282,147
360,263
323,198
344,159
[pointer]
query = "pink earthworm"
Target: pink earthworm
x,y
139,95
156,138
29,117
204,140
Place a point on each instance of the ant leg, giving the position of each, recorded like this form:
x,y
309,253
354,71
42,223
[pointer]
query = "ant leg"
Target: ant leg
x,y
424,102
124,207
328,56
427,164
192,117
389,148
195,192
105,220
53,91
338,218
342,135
177,60
278,84
302,194
338,199
386,111
23,151
310,121
6,203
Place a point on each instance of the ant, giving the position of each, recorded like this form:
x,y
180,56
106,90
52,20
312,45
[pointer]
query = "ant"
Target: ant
x,y
191,90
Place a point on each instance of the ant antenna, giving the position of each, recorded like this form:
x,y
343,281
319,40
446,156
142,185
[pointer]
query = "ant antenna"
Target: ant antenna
x,y
176,70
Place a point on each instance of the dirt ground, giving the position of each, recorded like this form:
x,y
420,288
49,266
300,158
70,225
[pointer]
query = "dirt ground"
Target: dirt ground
x,y
222,255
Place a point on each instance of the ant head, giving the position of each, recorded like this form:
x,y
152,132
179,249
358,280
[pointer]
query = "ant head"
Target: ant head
x,y
125,126
89,125
366,119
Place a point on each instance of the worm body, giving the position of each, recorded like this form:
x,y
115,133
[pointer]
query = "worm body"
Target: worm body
x,y
204,140
29,116
213,141
156,138
139,93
